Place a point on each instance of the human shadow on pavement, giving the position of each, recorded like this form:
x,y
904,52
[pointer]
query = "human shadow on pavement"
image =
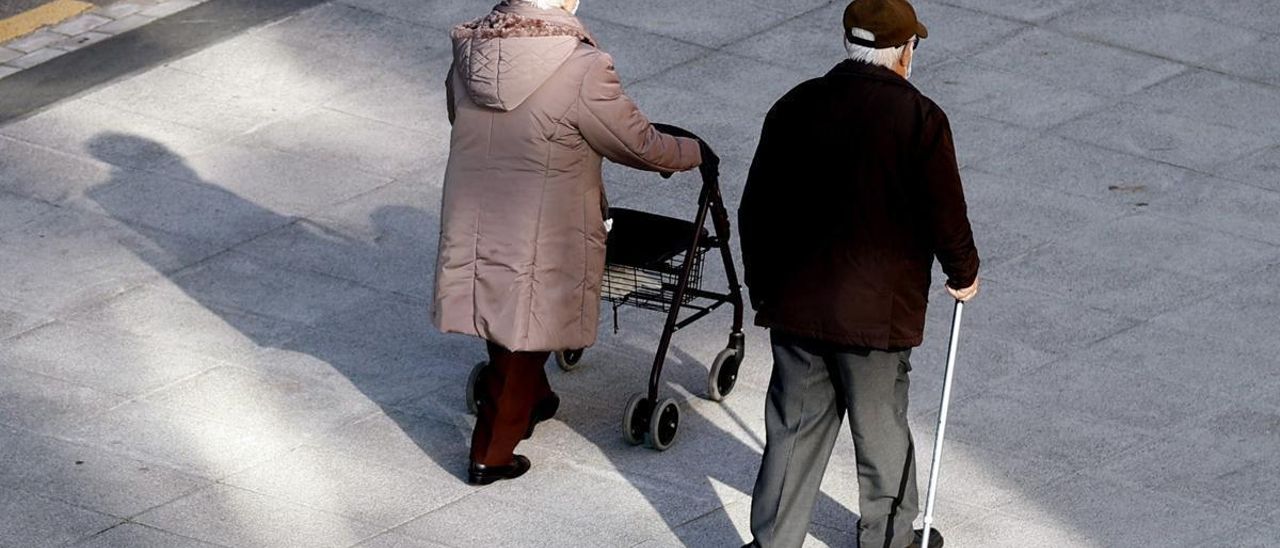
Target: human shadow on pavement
x,y
281,296
381,339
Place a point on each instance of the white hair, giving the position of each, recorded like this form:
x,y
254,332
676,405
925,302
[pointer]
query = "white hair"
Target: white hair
x,y
548,4
885,57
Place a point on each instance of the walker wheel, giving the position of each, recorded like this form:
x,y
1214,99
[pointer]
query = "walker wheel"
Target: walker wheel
x,y
663,425
473,388
724,374
635,419
569,360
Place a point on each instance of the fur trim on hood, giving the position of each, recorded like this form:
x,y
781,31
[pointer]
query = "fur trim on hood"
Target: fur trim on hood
x,y
509,25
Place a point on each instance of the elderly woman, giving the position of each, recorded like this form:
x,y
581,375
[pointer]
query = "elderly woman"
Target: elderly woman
x,y
535,105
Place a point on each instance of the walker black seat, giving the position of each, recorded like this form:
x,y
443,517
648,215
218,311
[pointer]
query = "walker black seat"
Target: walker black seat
x,y
649,241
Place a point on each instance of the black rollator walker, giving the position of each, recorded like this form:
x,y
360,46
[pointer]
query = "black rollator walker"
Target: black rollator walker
x,y
655,263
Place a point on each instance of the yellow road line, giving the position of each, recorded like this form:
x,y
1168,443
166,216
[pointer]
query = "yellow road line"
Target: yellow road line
x,y
52,13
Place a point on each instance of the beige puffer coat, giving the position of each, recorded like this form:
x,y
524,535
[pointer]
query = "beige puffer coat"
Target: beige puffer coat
x,y
534,106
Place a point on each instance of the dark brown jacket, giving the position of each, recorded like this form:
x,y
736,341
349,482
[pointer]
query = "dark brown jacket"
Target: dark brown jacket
x,y
535,106
853,191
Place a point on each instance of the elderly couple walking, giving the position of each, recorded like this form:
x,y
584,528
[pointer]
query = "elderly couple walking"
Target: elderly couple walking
x,y
854,190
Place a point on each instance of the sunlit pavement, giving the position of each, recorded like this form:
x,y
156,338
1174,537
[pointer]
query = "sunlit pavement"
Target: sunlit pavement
x,y
216,271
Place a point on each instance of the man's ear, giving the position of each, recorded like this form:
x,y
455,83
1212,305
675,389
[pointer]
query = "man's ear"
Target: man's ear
x,y
904,60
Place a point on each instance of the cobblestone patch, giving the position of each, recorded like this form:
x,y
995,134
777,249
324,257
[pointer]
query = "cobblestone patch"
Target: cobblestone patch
x,y
84,30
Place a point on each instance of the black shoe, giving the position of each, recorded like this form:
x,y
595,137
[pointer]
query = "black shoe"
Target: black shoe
x,y
484,475
935,539
544,411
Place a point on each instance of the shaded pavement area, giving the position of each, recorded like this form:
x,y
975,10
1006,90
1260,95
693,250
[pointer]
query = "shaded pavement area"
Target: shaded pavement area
x,y
217,267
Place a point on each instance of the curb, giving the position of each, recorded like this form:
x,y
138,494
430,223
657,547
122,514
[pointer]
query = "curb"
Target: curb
x,y
64,26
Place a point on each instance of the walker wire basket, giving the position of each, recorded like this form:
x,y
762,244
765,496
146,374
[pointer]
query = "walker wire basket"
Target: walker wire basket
x,y
646,253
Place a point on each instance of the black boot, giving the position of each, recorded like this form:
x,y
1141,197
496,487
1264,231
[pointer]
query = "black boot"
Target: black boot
x,y
480,474
545,410
935,539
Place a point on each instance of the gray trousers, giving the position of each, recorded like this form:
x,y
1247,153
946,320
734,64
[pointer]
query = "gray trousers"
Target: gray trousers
x,y
814,384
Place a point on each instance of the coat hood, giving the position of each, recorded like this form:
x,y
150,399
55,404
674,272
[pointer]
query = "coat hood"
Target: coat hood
x,y
505,56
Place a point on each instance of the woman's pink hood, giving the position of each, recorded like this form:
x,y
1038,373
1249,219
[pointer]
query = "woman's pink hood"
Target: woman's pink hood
x,y
505,56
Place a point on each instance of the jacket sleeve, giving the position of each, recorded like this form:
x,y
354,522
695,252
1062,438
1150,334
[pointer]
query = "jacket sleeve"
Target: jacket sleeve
x,y
757,237
614,126
449,99
944,198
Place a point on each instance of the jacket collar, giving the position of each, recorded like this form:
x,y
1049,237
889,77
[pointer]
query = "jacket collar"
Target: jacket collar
x,y
555,17
857,69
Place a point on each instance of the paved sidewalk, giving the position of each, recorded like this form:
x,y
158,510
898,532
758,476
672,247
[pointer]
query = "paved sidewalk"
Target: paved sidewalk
x,y
84,30
214,329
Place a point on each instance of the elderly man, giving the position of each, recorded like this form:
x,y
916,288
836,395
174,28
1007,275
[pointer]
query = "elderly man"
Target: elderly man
x,y
853,191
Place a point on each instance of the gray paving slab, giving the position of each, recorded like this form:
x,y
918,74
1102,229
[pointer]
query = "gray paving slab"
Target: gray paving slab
x,y
32,520
1078,64
420,445
1006,423
13,323
37,57
396,540
191,444
1025,316
377,349
639,55
181,97
357,488
484,520
47,175
683,20
40,403
373,38
106,360
1258,15
17,210
92,130
411,100
264,521
82,41
262,402
441,15
1226,206
239,283
1164,33
1244,314
1141,131
88,477
978,138
374,147
1016,206
133,535
1192,469
1212,98
276,69
1260,169
1086,170
1005,96
1192,358
374,239
1031,11
1118,513
163,312
266,183
1255,61
96,259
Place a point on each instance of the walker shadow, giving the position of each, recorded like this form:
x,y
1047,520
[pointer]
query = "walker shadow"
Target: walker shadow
x,y
389,352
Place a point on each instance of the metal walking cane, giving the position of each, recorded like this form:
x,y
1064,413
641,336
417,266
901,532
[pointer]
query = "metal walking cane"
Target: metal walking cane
x,y
942,424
